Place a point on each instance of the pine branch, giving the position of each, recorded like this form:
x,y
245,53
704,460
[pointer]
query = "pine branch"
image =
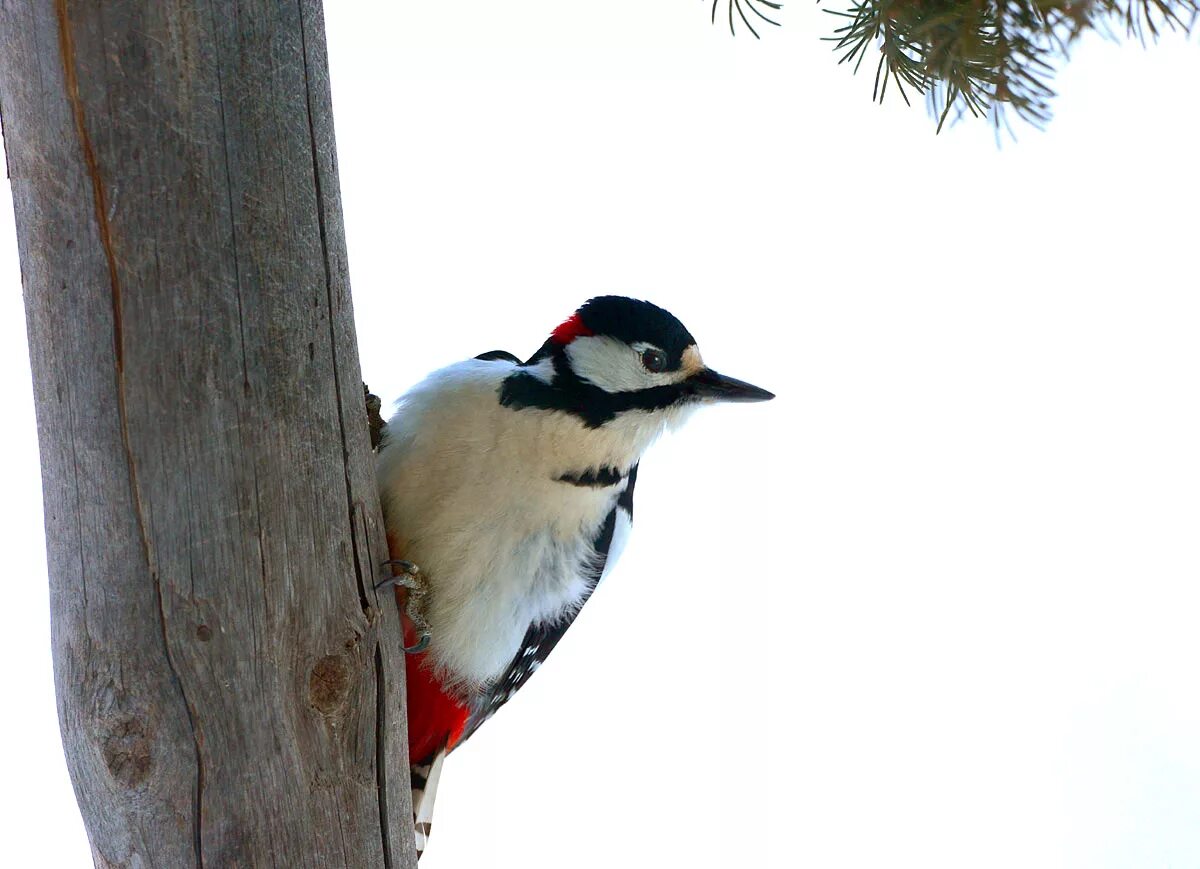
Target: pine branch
x,y
984,58
740,7
988,57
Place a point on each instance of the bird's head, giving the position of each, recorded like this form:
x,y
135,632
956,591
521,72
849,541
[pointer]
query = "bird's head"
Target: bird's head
x,y
617,354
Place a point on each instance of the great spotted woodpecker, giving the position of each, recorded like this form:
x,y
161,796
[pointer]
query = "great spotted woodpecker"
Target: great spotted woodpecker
x,y
507,488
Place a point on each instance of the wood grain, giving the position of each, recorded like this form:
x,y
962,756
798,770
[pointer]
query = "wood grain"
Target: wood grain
x,y
230,691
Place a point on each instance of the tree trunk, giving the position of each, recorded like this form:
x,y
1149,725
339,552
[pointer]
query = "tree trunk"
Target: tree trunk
x,y
230,692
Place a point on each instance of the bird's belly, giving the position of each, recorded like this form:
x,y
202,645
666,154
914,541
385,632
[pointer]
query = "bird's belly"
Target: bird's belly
x,y
491,580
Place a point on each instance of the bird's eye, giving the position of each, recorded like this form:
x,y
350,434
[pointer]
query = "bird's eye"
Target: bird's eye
x,y
654,359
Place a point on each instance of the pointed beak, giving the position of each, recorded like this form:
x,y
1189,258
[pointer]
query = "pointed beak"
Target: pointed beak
x,y
710,385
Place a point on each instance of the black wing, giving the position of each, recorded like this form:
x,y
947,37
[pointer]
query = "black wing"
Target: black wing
x,y
541,638
498,354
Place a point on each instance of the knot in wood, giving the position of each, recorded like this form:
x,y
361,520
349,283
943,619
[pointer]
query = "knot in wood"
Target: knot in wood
x,y
125,745
329,683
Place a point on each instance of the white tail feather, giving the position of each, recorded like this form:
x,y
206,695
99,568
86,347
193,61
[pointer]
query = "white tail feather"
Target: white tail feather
x,y
424,791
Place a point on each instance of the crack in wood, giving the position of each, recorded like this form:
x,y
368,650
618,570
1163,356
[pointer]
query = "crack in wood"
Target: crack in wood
x,y
381,756
66,46
356,531
322,220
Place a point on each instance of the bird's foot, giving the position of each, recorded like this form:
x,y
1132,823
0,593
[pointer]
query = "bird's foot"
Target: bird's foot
x,y
410,578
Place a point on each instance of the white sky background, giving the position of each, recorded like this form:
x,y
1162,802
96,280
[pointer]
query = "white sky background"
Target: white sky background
x,y
934,606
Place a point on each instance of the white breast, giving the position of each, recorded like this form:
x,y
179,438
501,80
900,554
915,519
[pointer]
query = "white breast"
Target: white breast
x,y
471,494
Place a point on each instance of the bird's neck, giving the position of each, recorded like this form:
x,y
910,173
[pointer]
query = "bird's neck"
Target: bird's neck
x,y
603,439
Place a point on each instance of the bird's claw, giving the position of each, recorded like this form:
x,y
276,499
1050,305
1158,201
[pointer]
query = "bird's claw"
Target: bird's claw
x,y
410,578
402,579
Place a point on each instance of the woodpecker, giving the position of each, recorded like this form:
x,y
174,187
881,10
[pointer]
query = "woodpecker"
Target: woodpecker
x,y
507,490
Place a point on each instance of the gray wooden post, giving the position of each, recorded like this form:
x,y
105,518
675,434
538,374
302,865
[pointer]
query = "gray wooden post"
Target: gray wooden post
x,y
230,690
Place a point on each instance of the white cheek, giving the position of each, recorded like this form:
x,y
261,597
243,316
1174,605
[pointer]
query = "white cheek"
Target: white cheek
x,y
614,366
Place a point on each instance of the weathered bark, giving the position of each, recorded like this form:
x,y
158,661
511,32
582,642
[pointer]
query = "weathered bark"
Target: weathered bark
x,y
230,693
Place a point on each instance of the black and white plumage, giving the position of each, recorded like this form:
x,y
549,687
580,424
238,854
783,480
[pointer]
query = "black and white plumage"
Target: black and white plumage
x,y
540,639
511,484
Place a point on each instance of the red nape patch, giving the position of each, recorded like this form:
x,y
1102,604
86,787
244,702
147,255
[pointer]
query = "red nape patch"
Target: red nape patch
x,y
435,719
570,329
